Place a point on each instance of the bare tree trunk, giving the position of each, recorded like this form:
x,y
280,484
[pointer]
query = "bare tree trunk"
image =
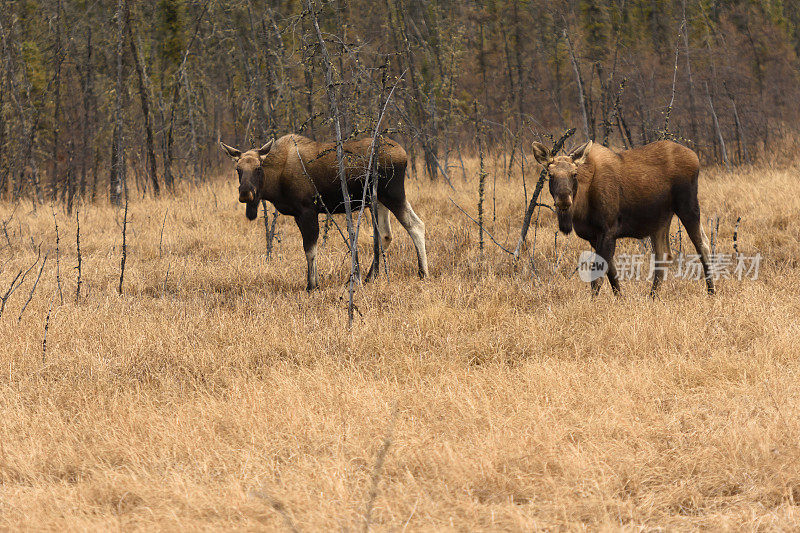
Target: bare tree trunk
x,y
666,133
29,123
145,102
579,81
194,155
427,140
717,129
117,153
87,82
692,106
624,132
57,101
741,143
333,106
5,162
71,185
760,79
482,64
518,39
95,176
283,91
169,177
481,175
309,79
258,79
509,67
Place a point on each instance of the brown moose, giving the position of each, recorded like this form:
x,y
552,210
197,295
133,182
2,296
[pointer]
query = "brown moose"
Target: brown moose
x,y
300,178
607,195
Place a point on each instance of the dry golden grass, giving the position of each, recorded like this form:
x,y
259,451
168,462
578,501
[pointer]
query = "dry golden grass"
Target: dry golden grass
x,y
216,394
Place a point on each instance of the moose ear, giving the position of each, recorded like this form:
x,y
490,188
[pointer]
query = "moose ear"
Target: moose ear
x,y
580,153
264,150
232,152
542,154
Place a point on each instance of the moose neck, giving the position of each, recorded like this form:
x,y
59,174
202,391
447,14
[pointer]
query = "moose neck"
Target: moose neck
x,y
580,206
270,179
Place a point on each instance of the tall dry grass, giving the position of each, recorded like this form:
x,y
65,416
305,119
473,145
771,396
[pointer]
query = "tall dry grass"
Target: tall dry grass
x,y
216,394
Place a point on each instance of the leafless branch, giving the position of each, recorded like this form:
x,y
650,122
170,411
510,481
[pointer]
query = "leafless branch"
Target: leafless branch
x,y
78,247
124,246
485,231
33,289
534,199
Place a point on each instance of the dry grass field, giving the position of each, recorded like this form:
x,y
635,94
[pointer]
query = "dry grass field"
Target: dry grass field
x,y
216,394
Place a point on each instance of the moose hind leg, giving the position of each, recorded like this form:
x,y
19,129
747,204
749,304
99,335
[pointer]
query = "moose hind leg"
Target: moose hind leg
x,y
309,229
700,241
380,239
416,229
690,218
661,256
384,225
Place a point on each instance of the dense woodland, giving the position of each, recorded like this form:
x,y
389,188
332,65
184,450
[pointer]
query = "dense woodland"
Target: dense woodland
x,y
101,99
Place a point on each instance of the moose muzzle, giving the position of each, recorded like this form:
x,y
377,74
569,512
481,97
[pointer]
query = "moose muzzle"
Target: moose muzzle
x,y
563,202
247,194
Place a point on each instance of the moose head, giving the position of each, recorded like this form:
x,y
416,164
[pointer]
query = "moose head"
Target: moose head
x,y
562,171
250,167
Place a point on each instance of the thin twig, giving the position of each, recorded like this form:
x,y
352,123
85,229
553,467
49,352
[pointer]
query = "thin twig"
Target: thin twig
x,y
9,292
124,246
10,218
78,246
46,328
485,231
269,229
666,134
373,158
14,285
33,289
58,257
161,238
481,177
537,191
333,106
166,277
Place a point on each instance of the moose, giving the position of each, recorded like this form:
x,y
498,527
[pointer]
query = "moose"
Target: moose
x,y
605,196
300,178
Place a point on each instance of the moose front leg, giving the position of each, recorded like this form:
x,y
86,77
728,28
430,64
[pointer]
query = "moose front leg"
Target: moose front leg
x,y
605,247
308,222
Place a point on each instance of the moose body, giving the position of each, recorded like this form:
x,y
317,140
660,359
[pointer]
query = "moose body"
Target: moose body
x,y
300,177
605,195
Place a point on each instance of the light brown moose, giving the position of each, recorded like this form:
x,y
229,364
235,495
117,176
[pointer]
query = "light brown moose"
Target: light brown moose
x,y
300,178
607,195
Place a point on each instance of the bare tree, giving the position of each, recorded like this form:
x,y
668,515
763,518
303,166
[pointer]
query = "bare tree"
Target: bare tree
x,y
333,106
117,178
145,102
